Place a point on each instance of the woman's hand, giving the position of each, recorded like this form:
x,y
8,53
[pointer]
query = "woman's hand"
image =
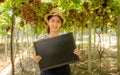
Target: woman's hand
x,y
76,51
37,58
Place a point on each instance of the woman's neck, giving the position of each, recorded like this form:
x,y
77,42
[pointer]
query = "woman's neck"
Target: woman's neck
x,y
52,34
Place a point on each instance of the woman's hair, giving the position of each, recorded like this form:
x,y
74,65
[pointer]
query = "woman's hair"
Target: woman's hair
x,y
49,17
48,28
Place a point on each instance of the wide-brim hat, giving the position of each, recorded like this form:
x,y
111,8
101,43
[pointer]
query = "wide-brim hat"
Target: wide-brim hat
x,y
54,11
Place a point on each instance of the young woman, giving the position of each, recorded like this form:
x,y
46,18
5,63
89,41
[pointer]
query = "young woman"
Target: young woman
x,y
54,22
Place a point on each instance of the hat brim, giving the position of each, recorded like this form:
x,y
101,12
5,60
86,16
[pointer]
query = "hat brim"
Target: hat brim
x,y
47,15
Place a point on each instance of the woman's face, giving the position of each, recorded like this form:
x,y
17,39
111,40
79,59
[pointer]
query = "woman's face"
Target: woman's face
x,y
54,23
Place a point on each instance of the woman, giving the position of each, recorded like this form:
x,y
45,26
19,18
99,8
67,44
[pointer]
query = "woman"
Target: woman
x,y
54,22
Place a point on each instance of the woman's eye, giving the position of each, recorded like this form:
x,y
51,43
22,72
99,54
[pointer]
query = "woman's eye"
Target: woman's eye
x,y
52,20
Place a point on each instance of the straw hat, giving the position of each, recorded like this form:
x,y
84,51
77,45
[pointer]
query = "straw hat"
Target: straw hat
x,y
54,11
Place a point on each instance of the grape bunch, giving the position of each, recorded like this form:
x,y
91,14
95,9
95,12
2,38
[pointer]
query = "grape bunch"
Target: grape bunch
x,y
37,3
28,13
1,1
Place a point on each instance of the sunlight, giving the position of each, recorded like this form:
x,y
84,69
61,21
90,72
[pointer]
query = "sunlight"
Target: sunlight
x,y
7,70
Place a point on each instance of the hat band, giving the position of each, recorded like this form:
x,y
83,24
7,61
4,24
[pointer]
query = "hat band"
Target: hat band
x,y
54,13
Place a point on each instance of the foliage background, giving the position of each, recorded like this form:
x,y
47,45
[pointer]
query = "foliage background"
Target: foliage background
x,y
83,17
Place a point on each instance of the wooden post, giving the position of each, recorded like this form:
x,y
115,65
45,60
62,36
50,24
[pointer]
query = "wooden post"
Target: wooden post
x,y
6,46
118,43
12,37
89,49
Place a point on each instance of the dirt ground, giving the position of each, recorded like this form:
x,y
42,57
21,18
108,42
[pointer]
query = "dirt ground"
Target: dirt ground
x,y
26,65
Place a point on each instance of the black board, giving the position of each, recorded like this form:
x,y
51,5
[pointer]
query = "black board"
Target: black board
x,y
56,51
